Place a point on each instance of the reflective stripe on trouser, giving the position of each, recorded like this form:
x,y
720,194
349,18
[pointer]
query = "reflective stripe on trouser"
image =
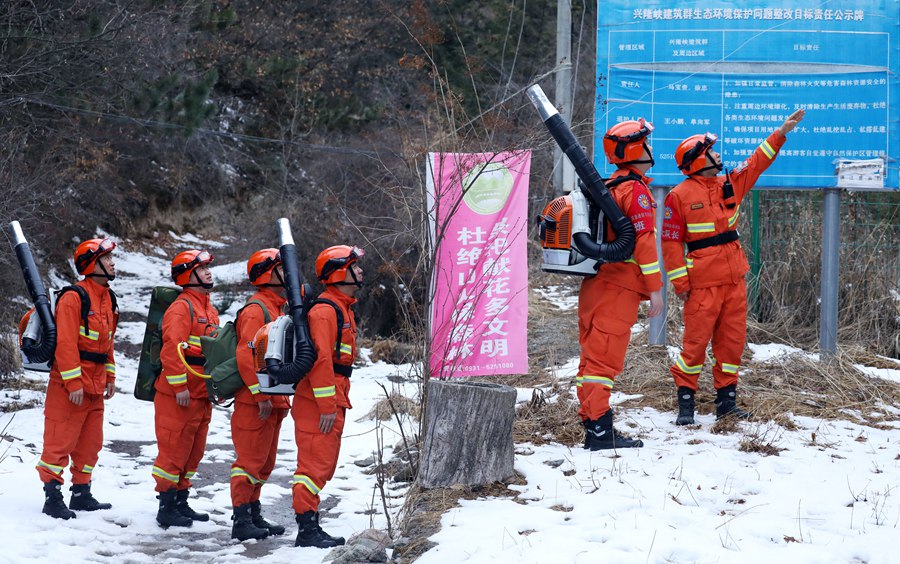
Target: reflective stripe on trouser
x,y
255,444
181,438
317,456
70,431
606,314
718,314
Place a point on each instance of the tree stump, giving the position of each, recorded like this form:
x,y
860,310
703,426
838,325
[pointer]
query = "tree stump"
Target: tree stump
x,y
468,434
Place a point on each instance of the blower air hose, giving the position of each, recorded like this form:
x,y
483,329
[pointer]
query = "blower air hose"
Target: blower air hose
x,y
42,351
594,187
304,349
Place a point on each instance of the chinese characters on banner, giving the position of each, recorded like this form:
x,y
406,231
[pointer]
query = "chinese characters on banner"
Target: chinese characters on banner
x,y
478,212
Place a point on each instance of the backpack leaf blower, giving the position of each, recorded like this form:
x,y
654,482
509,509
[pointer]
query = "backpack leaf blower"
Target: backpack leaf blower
x,y
289,350
572,227
38,337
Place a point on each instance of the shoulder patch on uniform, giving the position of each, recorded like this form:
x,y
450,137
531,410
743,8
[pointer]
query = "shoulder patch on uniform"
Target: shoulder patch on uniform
x,y
668,213
643,201
696,206
739,167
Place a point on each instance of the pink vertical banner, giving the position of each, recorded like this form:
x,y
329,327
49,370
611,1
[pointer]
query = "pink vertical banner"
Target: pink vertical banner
x,y
479,310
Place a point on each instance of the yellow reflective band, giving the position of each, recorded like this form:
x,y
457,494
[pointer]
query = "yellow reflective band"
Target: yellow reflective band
x,y
608,382
346,349
767,149
578,381
240,472
733,219
190,474
69,374
689,262
92,335
193,340
160,473
50,467
109,335
631,260
677,273
701,227
325,392
87,469
649,268
730,368
111,368
306,481
254,388
177,379
680,363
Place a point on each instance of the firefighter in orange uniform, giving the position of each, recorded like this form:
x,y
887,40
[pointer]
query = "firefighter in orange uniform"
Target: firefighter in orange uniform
x,y
183,408
608,302
701,214
83,374
322,398
257,417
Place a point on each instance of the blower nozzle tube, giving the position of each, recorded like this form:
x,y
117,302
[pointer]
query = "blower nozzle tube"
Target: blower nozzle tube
x,y
594,187
35,352
304,350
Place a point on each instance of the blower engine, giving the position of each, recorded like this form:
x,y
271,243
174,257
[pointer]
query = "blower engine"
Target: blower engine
x,y
572,227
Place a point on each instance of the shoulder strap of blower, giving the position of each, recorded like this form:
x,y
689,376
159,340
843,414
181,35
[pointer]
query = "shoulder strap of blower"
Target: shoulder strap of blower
x,y
613,182
99,358
341,369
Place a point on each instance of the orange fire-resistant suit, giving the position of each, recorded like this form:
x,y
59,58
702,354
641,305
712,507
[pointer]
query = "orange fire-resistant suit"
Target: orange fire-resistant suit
x,y
716,307
71,430
255,439
608,302
324,391
181,431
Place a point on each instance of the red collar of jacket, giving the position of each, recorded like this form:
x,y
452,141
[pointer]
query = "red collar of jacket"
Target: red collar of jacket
x,y
335,295
196,296
273,301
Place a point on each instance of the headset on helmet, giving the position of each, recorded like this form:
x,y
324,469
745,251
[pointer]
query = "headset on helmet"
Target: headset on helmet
x,y
185,262
261,266
332,263
692,154
88,252
624,142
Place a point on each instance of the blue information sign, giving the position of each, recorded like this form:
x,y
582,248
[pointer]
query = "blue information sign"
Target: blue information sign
x,y
739,68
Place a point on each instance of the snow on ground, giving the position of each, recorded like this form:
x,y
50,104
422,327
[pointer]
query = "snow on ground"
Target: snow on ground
x,y
829,495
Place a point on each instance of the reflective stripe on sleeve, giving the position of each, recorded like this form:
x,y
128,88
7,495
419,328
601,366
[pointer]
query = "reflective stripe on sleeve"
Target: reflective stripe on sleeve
x,y
346,349
767,149
325,392
701,227
677,273
254,388
649,268
90,334
177,379
70,374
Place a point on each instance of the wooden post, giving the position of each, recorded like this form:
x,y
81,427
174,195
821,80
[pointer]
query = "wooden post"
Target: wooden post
x,y
468,434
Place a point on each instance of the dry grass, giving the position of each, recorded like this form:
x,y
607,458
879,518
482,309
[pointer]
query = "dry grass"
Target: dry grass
x,y
384,409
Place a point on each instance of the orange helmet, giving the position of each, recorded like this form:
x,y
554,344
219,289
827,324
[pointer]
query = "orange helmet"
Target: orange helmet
x,y
332,263
691,154
87,253
261,266
185,262
624,142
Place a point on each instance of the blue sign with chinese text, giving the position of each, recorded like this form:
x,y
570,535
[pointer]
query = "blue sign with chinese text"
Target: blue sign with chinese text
x,y
739,68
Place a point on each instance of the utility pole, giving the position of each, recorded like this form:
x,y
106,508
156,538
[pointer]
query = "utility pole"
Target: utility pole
x,y
563,171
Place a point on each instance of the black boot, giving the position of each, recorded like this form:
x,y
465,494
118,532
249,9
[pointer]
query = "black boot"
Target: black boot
x,y
82,500
602,435
338,540
257,518
243,527
685,406
726,404
310,534
168,515
54,505
182,505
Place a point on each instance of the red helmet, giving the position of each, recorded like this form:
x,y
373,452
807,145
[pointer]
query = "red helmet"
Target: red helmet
x,y
332,263
87,253
691,153
185,262
261,266
624,142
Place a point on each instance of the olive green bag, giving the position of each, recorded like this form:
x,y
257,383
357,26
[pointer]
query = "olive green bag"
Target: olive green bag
x,y
150,366
220,351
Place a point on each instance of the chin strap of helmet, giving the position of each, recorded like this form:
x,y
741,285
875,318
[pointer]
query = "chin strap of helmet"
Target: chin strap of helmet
x,y
105,274
709,159
356,282
281,283
204,285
